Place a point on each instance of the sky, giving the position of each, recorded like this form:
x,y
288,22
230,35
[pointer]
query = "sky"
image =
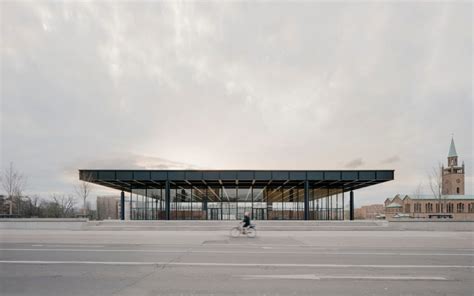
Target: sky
x,y
235,85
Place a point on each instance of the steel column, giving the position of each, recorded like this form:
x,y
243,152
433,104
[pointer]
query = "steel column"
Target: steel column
x,y
204,204
306,200
343,206
131,204
122,206
351,205
251,193
146,203
167,199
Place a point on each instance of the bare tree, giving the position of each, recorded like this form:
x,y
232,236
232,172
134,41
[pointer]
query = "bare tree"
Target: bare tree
x,y
83,190
418,190
30,206
65,203
60,206
14,183
35,206
435,178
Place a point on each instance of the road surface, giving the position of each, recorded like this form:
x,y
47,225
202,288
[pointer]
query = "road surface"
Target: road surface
x,y
61,262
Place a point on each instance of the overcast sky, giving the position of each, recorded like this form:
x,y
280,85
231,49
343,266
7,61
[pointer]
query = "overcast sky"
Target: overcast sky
x,y
235,85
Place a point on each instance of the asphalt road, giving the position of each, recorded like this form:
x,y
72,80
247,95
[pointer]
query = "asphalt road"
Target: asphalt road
x,y
51,262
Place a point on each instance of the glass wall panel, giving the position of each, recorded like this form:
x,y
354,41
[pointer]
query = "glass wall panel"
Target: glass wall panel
x,y
288,203
173,203
231,202
138,205
274,198
244,194
156,204
300,203
199,203
325,204
229,210
259,206
230,194
311,204
293,203
244,198
214,205
183,205
214,194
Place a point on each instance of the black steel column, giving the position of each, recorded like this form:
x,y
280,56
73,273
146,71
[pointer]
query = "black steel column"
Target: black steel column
x,y
351,205
251,192
122,206
167,200
343,205
130,203
306,200
191,202
204,204
146,203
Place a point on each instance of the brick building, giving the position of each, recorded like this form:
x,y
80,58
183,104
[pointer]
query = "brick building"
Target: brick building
x,y
453,175
370,212
452,203
457,207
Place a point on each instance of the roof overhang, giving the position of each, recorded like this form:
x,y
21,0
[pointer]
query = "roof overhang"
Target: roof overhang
x,y
126,180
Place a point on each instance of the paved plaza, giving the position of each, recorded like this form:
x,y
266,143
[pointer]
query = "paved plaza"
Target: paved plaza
x,y
67,262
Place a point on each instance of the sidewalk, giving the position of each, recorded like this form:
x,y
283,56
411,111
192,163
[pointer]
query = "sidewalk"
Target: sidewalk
x,y
196,225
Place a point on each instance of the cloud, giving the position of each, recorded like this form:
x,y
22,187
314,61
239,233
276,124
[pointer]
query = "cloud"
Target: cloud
x,y
133,161
122,162
355,163
392,159
228,85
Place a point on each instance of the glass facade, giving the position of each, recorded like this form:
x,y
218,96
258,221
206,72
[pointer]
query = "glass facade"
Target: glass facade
x,y
147,204
231,202
228,194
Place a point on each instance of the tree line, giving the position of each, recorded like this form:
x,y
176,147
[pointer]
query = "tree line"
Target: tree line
x,y
14,203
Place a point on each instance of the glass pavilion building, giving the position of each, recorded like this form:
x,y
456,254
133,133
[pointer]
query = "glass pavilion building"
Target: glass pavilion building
x,y
227,194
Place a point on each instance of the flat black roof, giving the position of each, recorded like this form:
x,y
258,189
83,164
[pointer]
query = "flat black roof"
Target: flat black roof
x,y
127,179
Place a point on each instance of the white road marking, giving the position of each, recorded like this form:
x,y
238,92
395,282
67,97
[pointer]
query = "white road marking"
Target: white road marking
x,y
345,277
282,276
78,246
230,264
235,252
83,246
257,245
75,246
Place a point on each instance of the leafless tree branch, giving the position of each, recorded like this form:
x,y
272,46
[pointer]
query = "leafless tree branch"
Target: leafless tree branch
x,y
418,190
13,183
83,190
435,178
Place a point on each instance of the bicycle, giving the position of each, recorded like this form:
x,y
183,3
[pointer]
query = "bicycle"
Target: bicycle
x,y
250,231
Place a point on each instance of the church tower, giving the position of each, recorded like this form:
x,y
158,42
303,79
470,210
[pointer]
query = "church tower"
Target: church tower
x,y
452,175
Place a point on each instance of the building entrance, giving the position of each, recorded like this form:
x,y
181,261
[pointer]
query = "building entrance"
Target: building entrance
x,y
214,214
259,214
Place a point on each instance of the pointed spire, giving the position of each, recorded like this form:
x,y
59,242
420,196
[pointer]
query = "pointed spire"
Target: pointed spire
x,y
452,149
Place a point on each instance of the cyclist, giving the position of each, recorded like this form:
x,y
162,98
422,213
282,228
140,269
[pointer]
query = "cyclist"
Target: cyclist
x,y
246,221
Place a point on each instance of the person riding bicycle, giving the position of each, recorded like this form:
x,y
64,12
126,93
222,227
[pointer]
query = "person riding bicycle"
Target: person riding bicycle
x,y
246,221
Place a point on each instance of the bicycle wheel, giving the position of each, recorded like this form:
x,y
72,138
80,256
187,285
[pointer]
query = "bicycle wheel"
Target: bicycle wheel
x,y
251,232
235,232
